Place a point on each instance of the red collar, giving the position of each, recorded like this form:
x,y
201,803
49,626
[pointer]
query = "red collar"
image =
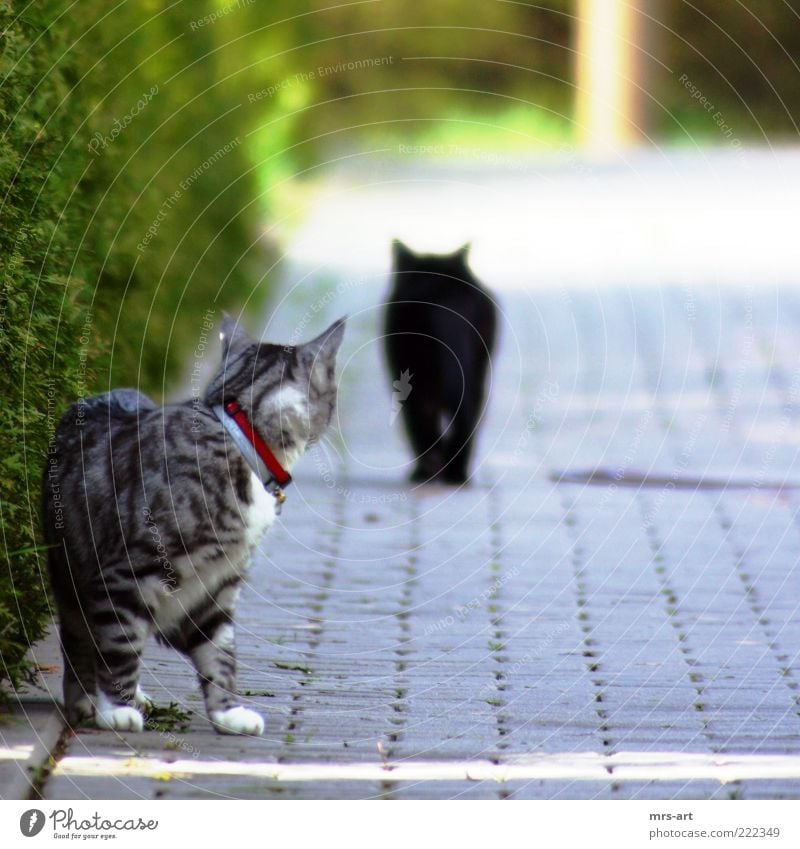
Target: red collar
x,y
279,474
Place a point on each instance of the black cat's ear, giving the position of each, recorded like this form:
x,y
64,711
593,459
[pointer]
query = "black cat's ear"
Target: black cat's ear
x,y
462,253
234,339
401,254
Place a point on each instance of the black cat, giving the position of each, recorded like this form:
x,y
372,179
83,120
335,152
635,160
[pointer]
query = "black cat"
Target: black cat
x,y
440,333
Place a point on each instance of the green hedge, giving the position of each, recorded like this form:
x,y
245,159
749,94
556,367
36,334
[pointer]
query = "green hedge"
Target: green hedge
x,y
129,210
172,190
46,355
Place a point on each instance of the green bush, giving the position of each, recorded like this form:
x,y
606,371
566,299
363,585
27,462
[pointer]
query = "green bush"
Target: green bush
x,y
129,203
46,354
174,217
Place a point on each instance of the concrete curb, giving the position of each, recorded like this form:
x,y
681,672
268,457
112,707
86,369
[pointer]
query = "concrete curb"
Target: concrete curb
x,y
34,729
43,735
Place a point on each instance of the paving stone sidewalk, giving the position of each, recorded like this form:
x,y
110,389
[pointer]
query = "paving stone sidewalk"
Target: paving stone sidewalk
x,y
628,636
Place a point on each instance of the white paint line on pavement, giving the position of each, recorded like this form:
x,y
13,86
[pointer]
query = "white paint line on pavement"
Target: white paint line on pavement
x,y
590,766
16,753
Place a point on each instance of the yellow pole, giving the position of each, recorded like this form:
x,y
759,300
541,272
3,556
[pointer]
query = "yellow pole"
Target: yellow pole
x,y
607,63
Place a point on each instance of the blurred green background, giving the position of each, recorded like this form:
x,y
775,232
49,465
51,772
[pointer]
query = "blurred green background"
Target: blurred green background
x,y
151,151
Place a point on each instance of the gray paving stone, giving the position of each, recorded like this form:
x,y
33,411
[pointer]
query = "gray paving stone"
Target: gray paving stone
x,y
523,616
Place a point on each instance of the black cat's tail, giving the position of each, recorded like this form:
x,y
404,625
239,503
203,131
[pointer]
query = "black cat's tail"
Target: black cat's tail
x,y
467,350
464,391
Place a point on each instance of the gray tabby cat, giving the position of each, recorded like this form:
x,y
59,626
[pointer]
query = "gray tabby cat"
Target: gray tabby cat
x,y
153,513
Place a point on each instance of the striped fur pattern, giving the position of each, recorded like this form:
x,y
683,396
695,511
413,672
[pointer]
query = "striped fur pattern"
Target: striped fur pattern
x,y
152,515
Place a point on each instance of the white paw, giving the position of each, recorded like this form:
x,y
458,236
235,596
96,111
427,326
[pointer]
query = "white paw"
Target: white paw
x,y
143,701
238,720
119,719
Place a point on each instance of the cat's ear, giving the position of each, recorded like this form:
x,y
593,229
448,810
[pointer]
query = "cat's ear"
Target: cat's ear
x,y
462,254
321,352
329,340
401,254
234,339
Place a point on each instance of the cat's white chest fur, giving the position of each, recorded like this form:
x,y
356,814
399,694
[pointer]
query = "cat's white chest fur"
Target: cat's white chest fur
x,y
260,514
